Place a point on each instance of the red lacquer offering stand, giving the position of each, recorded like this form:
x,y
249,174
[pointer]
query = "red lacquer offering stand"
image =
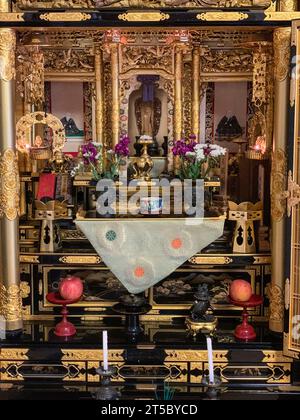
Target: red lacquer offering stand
x,y
63,328
245,331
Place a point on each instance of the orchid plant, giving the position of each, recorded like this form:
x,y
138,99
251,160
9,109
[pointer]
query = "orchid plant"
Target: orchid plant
x,y
197,159
100,164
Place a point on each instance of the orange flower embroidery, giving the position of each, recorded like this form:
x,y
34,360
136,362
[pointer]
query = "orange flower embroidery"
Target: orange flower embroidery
x,y
139,272
176,243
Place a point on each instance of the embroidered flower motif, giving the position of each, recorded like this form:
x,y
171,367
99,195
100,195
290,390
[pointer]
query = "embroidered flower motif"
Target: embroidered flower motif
x,y
178,244
140,272
112,237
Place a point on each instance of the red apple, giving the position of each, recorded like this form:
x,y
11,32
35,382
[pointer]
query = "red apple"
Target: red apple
x,y
71,288
240,291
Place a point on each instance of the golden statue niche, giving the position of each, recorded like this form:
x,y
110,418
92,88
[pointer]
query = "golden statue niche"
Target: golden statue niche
x,y
38,148
148,107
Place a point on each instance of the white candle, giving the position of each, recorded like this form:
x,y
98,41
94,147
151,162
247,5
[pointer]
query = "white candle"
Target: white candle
x,y
105,350
210,360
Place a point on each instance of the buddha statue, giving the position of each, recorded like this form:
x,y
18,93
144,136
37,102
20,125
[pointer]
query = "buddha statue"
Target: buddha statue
x,y
147,119
148,112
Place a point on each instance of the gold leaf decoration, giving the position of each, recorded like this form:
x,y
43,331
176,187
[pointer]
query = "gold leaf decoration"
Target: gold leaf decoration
x,y
222,16
10,185
144,17
65,17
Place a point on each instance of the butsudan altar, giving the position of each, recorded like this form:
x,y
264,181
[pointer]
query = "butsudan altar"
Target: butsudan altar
x,y
80,73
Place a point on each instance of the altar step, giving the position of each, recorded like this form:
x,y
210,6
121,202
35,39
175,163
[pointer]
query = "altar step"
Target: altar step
x,y
162,354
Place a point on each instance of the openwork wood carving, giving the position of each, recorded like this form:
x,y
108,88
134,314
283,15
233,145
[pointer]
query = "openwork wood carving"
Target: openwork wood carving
x,y
142,4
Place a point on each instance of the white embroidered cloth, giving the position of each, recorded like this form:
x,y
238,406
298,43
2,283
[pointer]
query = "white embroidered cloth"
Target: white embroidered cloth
x,y
142,252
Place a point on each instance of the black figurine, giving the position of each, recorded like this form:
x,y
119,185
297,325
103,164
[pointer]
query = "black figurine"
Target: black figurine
x,y
201,304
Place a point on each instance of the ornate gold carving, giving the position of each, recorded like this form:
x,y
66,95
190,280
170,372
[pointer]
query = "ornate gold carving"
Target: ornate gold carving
x,y
11,17
282,53
9,371
281,16
275,295
189,112
14,354
31,259
48,4
89,355
144,17
25,124
115,107
26,311
72,234
70,259
30,75
194,94
71,60
178,114
7,54
278,184
141,4
210,260
24,289
10,185
194,355
146,57
107,94
259,78
222,16
228,61
288,5
273,373
292,194
11,303
65,17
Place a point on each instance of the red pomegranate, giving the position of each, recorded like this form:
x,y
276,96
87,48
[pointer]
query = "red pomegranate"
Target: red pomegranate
x,y
71,288
240,290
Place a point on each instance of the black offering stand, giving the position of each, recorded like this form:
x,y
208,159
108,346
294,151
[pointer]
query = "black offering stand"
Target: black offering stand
x,y
132,306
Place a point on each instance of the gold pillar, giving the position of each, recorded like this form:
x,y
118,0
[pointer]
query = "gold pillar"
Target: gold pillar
x,y
99,94
115,94
10,296
178,94
196,93
282,42
5,5
288,5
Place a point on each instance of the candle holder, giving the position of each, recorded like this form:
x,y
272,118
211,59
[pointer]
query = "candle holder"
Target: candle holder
x,y
212,388
107,392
